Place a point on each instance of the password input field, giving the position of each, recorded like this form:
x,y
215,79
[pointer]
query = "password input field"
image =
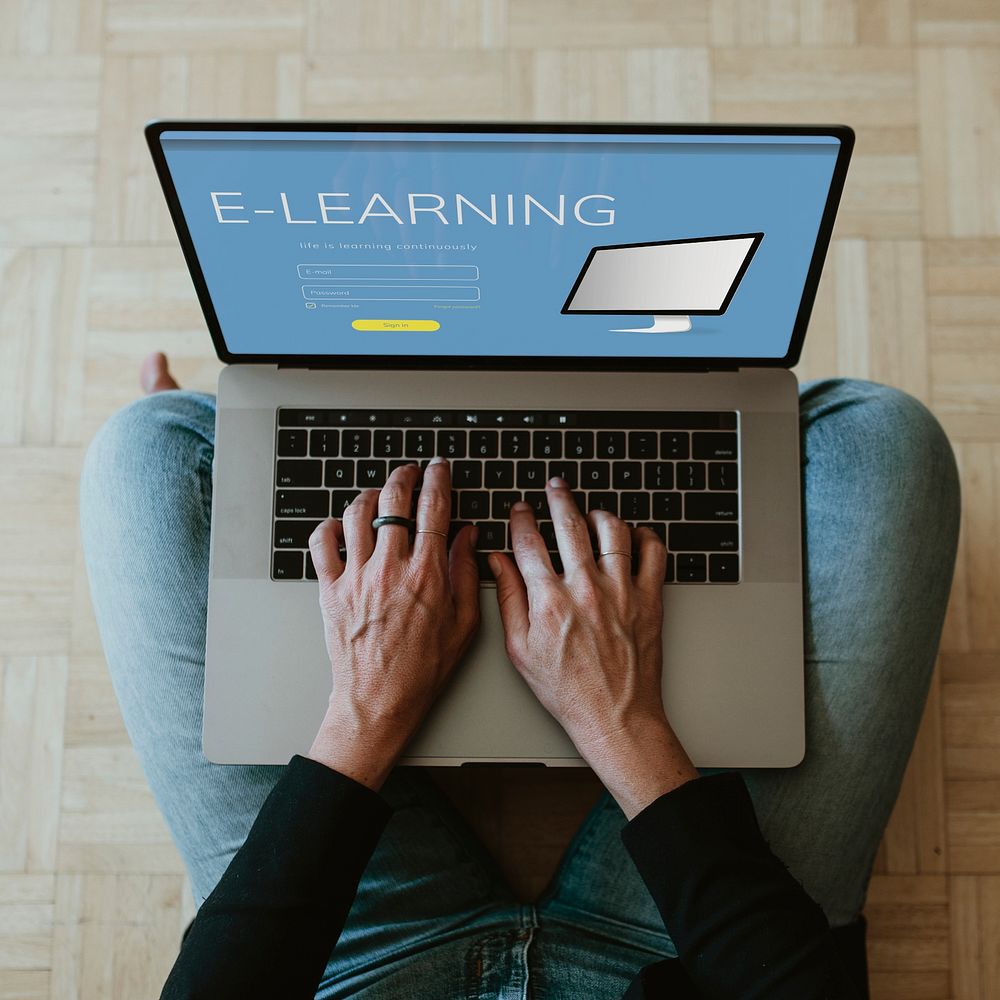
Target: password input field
x,y
389,272
415,292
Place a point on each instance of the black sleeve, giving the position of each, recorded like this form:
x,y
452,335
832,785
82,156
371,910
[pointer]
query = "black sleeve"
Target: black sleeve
x,y
743,926
273,919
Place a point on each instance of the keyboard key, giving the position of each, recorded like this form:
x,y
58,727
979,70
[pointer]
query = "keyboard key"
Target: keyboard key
x,y
492,535
372,473
675,444
690,475
686,537
484,444
603,501
579,444
711,507
301,472
291,417
539,502
642,444
626,475
570,471
286,565
388,444
547,444
669,575
660,529
548,532
708,445
292,442
722,475
515,444
324,444
502,503
595,475
499,475
310,568
451,444
530,475
455,527
634,506
659,475
667,506
293,534
473,505
611,444
420,444
691,567
340,500
467,475
724,567
302,503
340,473
356,444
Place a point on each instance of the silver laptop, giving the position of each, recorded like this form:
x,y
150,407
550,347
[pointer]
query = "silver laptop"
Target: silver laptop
x,y
620,305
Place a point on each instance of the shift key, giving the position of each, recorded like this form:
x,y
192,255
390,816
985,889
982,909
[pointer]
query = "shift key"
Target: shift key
x,y
686,537
302,503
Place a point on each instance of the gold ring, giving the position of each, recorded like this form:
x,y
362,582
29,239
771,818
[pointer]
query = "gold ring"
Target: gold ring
x,y
431,531
616,552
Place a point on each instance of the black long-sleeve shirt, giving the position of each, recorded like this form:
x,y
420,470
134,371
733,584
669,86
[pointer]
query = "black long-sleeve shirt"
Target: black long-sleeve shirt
x,y
742,925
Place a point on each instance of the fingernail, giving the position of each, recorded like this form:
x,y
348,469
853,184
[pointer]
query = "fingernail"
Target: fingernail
x,y
495,565
436,460
521,505
557,481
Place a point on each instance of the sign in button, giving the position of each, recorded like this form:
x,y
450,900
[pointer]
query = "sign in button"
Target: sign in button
x,y
396,324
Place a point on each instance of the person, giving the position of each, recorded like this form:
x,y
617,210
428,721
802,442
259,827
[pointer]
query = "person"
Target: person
x,y
340,875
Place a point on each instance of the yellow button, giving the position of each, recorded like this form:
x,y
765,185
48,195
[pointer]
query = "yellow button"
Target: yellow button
x,y
396,324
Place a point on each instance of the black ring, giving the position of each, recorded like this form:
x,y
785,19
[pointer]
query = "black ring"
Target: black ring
x,y
405,522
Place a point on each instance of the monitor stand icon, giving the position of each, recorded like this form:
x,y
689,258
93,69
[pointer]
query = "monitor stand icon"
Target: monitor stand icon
x,y
672,280
662,324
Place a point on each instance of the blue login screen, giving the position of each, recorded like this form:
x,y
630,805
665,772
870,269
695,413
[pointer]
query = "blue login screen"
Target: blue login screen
x,y
427,243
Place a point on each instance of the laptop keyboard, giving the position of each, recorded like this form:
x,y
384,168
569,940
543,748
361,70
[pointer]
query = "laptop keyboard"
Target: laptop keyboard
x,y
675,472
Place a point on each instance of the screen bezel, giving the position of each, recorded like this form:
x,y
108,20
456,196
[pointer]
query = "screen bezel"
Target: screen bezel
x,y
845,135
741,271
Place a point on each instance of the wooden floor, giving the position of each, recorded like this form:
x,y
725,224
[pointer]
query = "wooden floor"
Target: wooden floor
x,y
92,895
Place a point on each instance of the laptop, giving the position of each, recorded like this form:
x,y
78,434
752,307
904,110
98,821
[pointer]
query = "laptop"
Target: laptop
x,y
620,305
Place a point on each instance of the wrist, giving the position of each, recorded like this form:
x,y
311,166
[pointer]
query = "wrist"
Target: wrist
x,y
356,747
638,762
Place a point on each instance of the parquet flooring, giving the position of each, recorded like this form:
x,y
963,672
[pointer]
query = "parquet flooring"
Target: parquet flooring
x,y
92,893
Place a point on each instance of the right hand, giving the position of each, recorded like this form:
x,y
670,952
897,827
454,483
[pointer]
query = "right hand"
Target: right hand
x,y
589,643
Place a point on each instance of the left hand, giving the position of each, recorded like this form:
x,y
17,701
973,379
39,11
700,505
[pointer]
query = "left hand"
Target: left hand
x,y
397,617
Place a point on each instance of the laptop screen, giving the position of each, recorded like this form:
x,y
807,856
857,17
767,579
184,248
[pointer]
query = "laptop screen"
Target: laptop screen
x,y
367,243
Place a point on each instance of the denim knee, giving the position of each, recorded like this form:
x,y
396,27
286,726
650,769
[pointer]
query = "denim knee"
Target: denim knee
x,y
152,437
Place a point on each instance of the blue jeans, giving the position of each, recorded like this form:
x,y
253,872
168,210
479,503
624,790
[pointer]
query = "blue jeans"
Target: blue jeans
x,y
433,915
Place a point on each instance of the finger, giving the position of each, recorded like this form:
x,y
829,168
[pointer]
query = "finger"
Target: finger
x,y
572,535
652,562
434,513
324,544
613,539
464,575
359,535
527,544
396,498
512,598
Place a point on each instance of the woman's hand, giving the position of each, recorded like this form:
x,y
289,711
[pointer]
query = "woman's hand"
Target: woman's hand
x,y
397,616
589,643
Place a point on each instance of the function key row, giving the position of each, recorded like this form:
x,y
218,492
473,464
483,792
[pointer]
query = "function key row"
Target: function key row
x,y
656,419
519,444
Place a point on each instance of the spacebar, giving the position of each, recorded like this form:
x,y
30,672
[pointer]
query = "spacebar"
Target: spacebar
x,y
686,537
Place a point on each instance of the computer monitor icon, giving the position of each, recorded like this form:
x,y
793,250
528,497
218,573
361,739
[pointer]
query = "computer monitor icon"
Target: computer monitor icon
x,y
671,279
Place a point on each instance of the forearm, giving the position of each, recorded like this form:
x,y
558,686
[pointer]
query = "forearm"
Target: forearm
x,y
637,761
